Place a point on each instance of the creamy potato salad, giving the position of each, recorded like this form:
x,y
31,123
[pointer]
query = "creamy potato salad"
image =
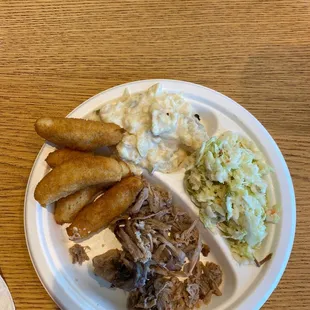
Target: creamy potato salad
x,y
161,128
227,183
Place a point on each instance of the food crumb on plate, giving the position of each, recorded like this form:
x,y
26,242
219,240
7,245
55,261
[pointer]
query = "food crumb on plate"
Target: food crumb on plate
x,y
78,254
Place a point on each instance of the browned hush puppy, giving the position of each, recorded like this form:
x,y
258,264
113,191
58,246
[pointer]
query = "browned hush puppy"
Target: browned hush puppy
x,y
78,134
100,213
68,207
58,157
77,174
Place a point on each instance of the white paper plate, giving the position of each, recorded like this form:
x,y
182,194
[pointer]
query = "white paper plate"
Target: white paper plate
x,y
6,301
245,287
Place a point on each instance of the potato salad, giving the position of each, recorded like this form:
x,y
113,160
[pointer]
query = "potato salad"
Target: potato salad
x,y
161,128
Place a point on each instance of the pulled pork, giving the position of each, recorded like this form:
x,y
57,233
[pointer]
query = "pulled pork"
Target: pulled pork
x,y
159,242
166,293
114,267
78,254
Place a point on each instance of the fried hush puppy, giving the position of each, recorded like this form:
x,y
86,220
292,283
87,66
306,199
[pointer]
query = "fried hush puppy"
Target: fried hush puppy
x,y
58,157
68,207
77,174
78,134
100,213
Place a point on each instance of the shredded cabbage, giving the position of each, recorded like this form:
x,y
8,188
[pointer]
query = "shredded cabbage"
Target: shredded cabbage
x,y
227,182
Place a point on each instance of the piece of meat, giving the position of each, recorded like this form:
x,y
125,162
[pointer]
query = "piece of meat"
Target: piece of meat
x,y
139,202
157,254
190,249
209,278
129,245
205,250
178,253
197,272
102,211
157,214
105,264
58,157
154,199
195,257
78,134
136,244
192,299
144,298
164,290
157,225
173,264
141,240
119,271
78,174
214,275
188,233
68,207
160,292
78,254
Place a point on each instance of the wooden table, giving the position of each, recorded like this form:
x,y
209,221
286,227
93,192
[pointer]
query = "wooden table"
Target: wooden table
x,y
56,54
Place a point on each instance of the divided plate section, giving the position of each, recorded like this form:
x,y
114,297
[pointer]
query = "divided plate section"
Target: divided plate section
x,y
94,291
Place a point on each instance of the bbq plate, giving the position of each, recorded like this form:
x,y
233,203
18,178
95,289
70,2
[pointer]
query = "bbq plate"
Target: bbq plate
x,y
244,287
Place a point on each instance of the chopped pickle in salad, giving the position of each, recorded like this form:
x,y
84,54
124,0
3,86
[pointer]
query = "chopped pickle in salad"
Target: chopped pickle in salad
x,y
227,183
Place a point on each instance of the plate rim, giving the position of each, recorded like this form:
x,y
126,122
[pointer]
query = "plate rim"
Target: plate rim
x,y
289,244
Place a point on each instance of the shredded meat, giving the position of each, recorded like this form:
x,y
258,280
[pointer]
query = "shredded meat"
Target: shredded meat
x,y
159,243
114,267
144,194
168,292
78,254
157,230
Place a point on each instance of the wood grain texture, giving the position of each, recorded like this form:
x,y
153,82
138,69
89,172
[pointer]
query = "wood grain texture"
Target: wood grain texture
x,y
55,54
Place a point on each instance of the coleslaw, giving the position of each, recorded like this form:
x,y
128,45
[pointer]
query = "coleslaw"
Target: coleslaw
x,y
227,182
